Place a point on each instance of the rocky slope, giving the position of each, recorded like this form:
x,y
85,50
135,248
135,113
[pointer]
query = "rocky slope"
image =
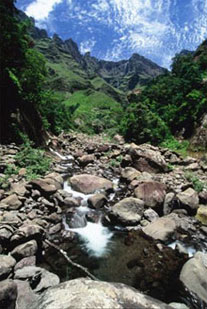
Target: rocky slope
x,y
153,201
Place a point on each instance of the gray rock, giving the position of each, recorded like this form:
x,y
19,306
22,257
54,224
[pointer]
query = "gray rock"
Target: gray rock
x,y
25,250
27,232
71,202
11,202
151,192
189,198
167,203
130,173
8,294
151,215
89,183
7,264
194,275
43,186
128,211
6,232
38,278
28,261
163,227
178,306
25,295
87,294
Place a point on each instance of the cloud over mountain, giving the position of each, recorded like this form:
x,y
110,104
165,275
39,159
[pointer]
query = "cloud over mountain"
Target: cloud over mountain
x,y
114,29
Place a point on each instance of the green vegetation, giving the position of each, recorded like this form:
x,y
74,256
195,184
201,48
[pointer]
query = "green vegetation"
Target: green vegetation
x,y
32,159
198,185
175,145
171,104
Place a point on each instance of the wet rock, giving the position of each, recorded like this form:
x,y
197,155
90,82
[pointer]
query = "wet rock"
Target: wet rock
x,y
7,264
38,278
128,211
25,250
189,198
43,186
95,294
25,295
194,275
8,294
163,227
27,261
152,193
202,214
97,201
151,215
89,183
147,158
130,173
11,202
77,221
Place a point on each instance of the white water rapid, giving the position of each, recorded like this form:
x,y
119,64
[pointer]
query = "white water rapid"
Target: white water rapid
x,y
95,236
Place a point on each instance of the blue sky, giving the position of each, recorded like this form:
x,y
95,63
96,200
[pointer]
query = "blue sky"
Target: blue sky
x,y
115,29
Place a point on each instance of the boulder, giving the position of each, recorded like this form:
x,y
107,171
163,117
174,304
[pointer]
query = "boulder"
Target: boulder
x,y
89,183
25,250
168,203
7,264
128,211
43,186
163,227
19,188
71,202
6,232
11,202
39,278
97,200
147,158
8,294
151,192
194,275
88,294
189,198
25,295
27,261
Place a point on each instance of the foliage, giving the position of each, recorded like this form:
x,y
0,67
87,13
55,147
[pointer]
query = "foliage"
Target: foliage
x,y
8,172
198,185
175,145
171,104
33,159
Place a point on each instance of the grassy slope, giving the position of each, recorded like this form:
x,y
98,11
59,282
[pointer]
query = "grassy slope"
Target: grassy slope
x,y
94,104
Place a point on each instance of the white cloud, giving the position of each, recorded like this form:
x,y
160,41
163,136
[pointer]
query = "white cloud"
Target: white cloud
x,y
87,46
40,9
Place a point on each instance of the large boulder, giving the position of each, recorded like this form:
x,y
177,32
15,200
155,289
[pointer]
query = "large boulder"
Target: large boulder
x,y
189,198
128,211
27,232
7,264
39,278
8,294
194,275
130,173
25,295
89,183
87,294
151,192
163,227
147,158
